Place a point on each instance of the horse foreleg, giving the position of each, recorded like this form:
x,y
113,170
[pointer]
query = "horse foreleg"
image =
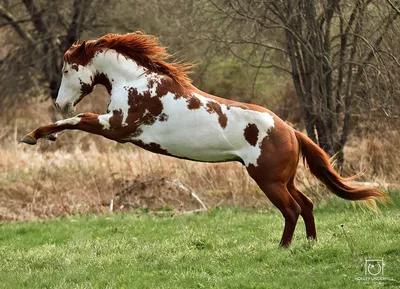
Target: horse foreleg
x,y
88,122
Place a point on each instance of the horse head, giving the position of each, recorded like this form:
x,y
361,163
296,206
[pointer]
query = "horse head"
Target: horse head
x,y
77,79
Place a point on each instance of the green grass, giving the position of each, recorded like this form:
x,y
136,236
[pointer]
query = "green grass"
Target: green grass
x,y
225,248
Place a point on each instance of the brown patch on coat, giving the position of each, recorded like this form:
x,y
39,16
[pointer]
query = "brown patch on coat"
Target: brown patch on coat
x,y
166,85
101,78
87,88
251,134
163,88
148,118
153,147
75,66
193,102
215,107
145,106
136,133
116,119
143,110
163,117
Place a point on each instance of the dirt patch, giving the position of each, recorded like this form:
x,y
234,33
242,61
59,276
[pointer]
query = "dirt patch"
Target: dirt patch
x,y
156,194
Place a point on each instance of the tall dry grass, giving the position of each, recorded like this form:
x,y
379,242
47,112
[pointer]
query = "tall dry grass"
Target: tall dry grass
x,y
82,173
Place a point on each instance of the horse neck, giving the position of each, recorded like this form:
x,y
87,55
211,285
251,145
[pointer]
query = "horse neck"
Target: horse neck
x,y
118,70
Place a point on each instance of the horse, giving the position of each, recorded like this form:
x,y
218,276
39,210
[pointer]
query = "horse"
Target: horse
x,y
154,105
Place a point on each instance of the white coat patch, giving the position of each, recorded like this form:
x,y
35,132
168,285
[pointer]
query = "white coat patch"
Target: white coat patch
x,y
104,120
196,134
73,120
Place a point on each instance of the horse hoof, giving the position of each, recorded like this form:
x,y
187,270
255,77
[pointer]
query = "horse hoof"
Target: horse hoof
x,y
29,140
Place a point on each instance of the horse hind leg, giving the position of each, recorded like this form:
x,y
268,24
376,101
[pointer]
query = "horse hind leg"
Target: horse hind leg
x,y
281,198
307,208
279,195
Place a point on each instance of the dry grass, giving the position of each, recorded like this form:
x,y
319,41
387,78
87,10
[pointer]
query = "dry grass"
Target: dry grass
x,y
82,173
377,155
37,182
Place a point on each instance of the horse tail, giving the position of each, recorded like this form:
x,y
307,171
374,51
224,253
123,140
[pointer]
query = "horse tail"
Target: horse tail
x,y
318,162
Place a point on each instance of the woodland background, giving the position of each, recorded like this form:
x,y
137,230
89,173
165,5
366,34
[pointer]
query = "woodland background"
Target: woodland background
x,y
329,67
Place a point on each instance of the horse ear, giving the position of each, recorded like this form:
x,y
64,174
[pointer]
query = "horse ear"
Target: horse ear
x,y
81,47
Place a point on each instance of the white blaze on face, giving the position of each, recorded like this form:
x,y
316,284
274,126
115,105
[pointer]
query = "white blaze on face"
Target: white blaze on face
x,y
73,76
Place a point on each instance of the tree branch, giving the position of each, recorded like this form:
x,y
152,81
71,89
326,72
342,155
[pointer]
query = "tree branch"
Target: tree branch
x,y
36,17
4,13
393,6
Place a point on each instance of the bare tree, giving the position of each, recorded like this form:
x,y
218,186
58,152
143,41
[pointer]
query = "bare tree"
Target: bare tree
x,y
44,30
36,33
339,54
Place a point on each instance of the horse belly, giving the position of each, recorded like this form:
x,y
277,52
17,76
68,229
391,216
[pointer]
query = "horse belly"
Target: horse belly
x,y
192,136
199,134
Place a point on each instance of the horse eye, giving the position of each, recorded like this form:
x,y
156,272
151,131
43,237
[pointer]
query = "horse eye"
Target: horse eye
x,y
65,71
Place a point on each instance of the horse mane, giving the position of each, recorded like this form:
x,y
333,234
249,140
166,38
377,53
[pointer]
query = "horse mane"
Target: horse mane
x,y
143,49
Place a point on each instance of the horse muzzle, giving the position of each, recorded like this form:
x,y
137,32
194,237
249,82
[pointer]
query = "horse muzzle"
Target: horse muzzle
x,y
65,108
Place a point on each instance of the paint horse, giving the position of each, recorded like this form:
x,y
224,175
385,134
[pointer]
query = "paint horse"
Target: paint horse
x,y
154,106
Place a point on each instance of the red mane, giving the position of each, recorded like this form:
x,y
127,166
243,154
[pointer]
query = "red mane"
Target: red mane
x,y
143,49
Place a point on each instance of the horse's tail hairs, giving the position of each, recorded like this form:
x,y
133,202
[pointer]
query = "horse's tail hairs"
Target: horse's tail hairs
x,y
318,162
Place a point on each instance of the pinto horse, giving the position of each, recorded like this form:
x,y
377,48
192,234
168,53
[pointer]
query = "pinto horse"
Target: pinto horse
x,y
154,105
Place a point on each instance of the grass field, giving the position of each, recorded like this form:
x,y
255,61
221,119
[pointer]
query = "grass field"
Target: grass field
x,y
225,248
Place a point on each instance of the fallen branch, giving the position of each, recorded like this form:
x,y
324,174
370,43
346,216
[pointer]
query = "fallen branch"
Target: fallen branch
x,y
192,193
